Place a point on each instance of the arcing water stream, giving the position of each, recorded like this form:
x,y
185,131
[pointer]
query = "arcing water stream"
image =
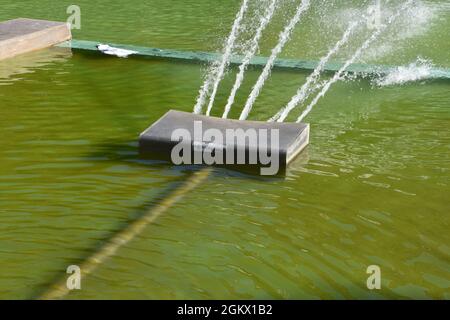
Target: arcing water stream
x,y
216,72
283,39
306,89
356,55
250,54
218,68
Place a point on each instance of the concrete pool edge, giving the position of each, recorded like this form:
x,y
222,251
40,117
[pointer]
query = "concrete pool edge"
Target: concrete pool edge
x,y
23,35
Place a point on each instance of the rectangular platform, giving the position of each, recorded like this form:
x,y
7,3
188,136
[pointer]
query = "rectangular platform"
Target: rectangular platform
x,y
240,144
24,35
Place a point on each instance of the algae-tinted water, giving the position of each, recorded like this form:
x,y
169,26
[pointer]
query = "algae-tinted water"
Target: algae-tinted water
x,y
371,189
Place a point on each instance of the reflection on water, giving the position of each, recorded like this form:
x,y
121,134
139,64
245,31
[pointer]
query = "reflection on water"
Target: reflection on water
x,y
30,62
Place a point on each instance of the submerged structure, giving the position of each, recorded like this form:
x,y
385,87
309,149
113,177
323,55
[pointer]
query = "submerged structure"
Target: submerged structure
x,y
186,138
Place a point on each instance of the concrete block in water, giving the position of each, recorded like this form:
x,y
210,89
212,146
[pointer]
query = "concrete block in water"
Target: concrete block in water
x,y
186,138
24,35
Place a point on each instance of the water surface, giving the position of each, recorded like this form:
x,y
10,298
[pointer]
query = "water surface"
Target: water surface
x,y
372,187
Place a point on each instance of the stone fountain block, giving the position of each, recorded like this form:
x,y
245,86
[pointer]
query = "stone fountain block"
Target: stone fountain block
x,y
24,35
157,141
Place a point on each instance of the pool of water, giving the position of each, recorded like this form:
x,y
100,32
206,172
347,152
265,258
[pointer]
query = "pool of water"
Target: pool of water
x,y
371,189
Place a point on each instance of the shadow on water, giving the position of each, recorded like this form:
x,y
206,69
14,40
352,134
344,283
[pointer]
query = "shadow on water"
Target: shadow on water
x,y
127,151
120,152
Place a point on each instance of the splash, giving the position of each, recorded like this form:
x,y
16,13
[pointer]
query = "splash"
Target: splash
x,y
250,54
283,39
217,71
419,70
306,89
339,74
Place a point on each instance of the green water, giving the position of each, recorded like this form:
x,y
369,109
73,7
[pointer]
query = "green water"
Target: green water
x,y
371,189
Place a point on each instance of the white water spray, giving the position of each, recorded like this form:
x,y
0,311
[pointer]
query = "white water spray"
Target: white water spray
x,y
218,69
250,54
356,55
283,39
304,92
227,55
419,70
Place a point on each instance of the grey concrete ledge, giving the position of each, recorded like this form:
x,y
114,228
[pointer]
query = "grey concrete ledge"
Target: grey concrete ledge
x,y
23,35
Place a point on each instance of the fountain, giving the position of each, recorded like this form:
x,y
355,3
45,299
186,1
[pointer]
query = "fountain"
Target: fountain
x,y
251,144
293,136
338,75
311,84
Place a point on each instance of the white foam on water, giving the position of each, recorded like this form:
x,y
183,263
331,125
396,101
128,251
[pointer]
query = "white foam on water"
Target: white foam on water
x,y
283,39
419,70
217,69
249,54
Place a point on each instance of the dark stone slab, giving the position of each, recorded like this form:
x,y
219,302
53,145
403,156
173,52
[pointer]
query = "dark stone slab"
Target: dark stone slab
x,y
158,141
